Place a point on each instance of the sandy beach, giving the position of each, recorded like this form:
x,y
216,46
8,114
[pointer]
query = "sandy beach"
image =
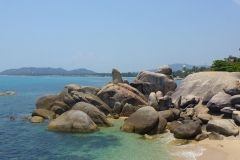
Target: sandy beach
x,y
226,149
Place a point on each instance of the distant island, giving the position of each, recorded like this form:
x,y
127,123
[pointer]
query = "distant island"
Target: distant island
x,y
47,71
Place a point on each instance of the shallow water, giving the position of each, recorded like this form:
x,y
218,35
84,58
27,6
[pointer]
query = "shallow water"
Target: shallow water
x,y
23,140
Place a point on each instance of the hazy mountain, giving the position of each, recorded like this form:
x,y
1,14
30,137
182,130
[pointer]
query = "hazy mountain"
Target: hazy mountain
x,y
179,66
45,71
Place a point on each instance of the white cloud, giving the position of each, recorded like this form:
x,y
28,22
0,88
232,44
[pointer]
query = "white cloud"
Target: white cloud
x,y
237,1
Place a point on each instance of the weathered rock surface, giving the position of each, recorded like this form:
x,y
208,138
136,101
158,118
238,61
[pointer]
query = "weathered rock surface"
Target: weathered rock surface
x,y
75,96
168,115
189,99
148,82
236,117
207,97
222,126
73,121
232,88
142,121
165,70
116,76
187,130
235,99
44,113
89,89
152,101
112,93
59,107
215,136
160,126
176,112
204,117
201,137
36,119
44,102
227,111
219,101
93,112
201,83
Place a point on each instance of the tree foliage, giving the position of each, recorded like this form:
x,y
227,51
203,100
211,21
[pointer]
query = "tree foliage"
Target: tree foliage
x,y
230,64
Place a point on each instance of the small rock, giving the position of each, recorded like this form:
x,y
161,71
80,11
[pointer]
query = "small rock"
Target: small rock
x,y
36,119
12,118
200,137
215,136
24,119
11,93
165,70
146,136
2,94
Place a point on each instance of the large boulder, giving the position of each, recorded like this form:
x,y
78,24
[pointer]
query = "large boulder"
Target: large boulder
x,y
116,76
44,102
73,121
222,126
219,101
44,113
168,115
187,130
94,113
165,70
201,83
232,88
142,121
112,93
148,82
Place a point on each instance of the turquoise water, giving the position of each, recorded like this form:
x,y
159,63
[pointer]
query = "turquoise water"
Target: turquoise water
x,y
23,140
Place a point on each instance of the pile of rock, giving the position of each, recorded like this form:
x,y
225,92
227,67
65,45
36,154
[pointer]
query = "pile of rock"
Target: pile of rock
x,y
78,105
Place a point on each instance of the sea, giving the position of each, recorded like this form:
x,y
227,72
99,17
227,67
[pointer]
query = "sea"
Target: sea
x,y
22,140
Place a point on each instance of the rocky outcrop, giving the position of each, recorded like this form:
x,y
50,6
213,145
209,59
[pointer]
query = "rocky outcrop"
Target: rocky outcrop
x,y
89,89
116,76
147,82
222,126
201,84
112,93
93,112
73,121
44,113
142,121
187,130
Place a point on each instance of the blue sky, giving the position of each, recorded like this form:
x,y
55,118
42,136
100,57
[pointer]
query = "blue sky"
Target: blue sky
x,y
128,35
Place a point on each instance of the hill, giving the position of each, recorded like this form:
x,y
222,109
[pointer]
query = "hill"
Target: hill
x,y
179,66
46,71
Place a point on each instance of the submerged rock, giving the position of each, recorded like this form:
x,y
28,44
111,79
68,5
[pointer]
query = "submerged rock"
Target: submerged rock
x,y
10,93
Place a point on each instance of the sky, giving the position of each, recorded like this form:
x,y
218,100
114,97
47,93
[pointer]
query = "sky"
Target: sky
x,y
129,35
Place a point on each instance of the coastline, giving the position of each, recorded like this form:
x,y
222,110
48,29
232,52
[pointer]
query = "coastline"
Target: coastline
x,y
226,149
